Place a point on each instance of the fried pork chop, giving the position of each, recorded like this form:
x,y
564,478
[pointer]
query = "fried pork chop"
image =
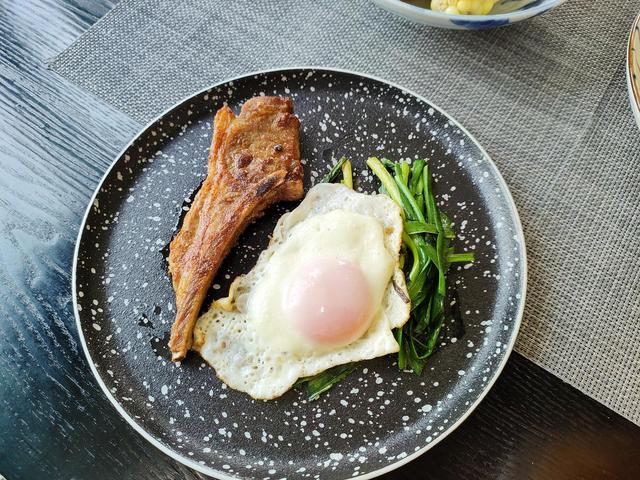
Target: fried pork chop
x,y
254,161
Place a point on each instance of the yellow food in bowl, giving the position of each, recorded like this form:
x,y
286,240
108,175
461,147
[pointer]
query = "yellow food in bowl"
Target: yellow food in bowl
x,y
463,7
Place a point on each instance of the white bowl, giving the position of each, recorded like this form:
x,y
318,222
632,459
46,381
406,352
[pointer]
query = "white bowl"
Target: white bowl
x,y
633,68
427,16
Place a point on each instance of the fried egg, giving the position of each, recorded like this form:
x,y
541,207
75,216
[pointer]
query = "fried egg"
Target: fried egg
x,y
328,290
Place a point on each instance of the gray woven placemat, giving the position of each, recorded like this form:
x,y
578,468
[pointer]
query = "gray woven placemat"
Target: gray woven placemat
x,y
547,98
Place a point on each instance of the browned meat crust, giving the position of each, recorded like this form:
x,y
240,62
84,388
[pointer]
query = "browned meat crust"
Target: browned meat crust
x,y
254,161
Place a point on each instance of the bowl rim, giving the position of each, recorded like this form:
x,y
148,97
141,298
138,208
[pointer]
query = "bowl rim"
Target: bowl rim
x,y
407,8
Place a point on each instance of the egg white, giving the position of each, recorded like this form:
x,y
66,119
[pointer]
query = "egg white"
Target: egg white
x,y
244,337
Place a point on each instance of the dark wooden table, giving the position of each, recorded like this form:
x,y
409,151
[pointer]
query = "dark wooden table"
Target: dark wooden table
x,y
55,143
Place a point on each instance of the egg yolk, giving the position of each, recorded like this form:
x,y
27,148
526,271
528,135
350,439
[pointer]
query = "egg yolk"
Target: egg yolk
x,y
328,301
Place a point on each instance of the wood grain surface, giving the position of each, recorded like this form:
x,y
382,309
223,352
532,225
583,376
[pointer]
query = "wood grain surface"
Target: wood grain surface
x,y
55,423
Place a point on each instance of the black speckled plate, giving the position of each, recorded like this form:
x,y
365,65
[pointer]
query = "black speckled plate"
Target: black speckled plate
x,y
377,419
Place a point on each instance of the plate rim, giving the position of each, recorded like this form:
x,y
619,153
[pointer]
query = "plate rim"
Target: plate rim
x,y
632,87
375,473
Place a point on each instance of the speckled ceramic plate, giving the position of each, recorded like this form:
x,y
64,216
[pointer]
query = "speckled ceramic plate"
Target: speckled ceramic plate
x,y
377,419
633,69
